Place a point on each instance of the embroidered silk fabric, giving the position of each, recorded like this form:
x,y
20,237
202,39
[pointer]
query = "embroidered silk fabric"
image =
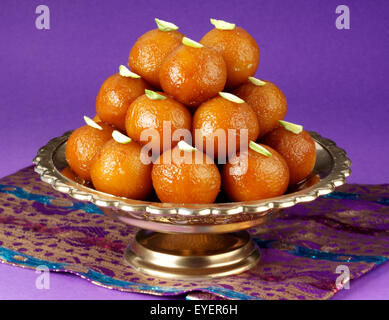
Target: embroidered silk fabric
x,y
301,249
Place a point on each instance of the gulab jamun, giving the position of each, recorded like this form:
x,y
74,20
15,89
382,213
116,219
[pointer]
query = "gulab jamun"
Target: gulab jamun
x,y
164,115
96,118
118,169
254,176
115,96
150,50
185,177
68,173
193,75
298,150
83,144
239,50
221,120
267,100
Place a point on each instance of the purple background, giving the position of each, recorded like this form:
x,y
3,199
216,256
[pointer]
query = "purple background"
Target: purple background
x,y
335,81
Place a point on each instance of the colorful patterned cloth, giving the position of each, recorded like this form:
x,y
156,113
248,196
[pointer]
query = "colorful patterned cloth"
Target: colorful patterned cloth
x,y
301,249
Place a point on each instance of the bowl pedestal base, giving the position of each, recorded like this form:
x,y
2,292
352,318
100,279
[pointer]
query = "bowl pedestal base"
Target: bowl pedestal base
x,y
191,256
192,241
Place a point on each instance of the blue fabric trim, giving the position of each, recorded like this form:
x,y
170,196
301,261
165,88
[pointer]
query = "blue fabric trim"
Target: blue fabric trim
x,y
9,256
354,196
322,255
22,194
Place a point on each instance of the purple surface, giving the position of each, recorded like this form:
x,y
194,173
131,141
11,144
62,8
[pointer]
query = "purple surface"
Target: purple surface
x,y
335,82
19,283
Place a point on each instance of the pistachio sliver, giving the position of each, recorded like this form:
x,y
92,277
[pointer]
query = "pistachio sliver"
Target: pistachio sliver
x,y
258,148
184,146
165,25
231,97
222,25
125,72
292,127
120,137
152,95
257,82
92,123
191,43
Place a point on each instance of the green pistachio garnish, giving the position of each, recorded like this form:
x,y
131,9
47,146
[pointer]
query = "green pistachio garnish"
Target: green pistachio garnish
x,y
91,123
256,81
191,43
125,72
183,146
165,26
120,137
231,97
152,95
258,148
295,128
222,25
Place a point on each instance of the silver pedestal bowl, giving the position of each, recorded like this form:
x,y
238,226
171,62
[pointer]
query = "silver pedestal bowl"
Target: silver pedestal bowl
x,y
195,241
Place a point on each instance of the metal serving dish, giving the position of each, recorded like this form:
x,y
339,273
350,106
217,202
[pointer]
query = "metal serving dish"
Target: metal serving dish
x,y
214,243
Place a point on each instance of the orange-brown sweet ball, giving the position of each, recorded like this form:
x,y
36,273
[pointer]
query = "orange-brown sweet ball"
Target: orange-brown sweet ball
x,y
83,144
256,178
185,177
193,75
115,96
162,118
219,118
118,169
150,50
268,102
298,150
239,50
68,173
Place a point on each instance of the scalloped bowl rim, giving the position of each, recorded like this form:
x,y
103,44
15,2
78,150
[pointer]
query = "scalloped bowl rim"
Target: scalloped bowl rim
x,y
46,168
